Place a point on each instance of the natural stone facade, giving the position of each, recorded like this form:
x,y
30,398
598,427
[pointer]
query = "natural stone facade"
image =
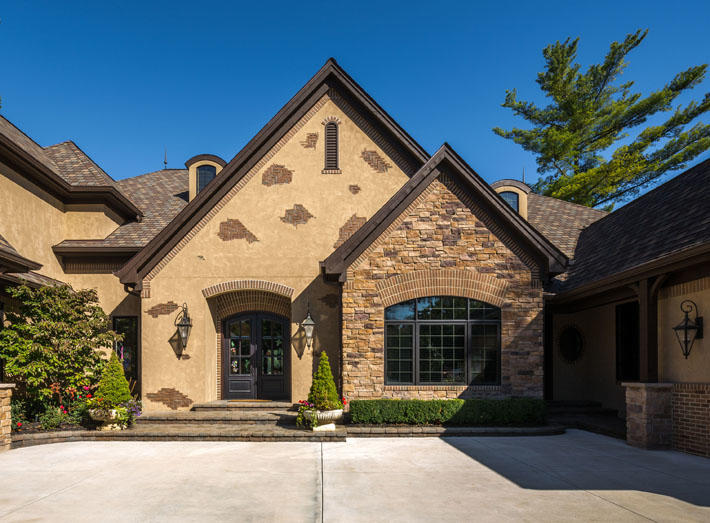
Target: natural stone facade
x,y
648,415
443,248
691,418
5,416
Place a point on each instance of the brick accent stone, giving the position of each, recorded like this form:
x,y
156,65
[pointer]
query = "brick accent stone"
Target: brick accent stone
x,y
276,174
648,414
691,418
162,308
355,189
235,230
297,215
443,243
348,228
171,398
310,141
5,416
251,285
374,160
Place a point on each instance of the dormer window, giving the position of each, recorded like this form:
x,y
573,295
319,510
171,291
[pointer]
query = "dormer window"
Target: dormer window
x,y
511,198
331,146
205,174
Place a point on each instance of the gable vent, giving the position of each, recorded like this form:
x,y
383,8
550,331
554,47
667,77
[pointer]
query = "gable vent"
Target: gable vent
x,y
331,146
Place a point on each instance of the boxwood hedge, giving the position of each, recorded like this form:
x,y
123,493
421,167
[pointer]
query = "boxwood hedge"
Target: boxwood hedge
x,y
470,412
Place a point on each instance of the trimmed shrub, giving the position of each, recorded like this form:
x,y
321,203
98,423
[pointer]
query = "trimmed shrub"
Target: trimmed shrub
x,y
471,412
323,393
113,386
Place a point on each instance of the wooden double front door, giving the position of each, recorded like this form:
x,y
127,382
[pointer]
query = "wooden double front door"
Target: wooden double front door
x,y
255,356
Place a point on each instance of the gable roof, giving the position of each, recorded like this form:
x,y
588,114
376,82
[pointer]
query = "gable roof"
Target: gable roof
x,y
40,166
330,77
673,218
447,161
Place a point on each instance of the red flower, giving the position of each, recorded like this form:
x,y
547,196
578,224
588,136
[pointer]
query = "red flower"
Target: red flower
x,y
88,395
19,423
86,387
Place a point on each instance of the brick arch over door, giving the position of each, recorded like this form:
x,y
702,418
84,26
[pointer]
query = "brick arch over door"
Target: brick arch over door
x,y
444,282
248,285
224,304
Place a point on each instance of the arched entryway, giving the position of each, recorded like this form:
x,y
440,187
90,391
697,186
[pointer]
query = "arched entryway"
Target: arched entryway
x,y
255,358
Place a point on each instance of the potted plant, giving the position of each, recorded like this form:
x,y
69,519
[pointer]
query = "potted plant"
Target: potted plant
x,y
323,404
112,404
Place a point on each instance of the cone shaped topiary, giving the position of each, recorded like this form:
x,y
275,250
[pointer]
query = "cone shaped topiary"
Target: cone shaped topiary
x,y
113,385
323,393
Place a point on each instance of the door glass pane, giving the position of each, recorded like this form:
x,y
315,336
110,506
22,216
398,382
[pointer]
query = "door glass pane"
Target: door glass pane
x,y
240,347
400,343
485,350
272,347
442,353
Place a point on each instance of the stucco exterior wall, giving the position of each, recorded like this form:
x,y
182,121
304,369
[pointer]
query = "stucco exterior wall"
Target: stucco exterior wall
x,y
276,225
445,248
593,376
673,367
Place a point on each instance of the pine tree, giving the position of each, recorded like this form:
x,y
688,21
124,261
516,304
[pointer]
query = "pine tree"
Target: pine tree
x,y
581,139
113,385
324,394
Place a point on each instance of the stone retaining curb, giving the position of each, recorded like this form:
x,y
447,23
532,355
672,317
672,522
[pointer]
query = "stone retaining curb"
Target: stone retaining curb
x,y
249,434
416,431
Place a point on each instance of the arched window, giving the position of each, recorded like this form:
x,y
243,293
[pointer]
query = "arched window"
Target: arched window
x,y
511,198
331,146
205,174
442,340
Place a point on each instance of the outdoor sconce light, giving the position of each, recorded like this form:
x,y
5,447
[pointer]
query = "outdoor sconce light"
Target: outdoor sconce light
x,y
687,331
184,325
308,325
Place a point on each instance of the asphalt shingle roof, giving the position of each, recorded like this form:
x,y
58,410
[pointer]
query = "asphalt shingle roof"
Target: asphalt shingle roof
x,y
75,166
6,247
672,217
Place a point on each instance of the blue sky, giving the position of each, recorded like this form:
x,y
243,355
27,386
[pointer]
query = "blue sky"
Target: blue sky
x,y
124,80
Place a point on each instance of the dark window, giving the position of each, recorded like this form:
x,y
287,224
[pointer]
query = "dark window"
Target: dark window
x,y
442,340
628,355
331,145
205,174
127,349
2,326
571,344
511,199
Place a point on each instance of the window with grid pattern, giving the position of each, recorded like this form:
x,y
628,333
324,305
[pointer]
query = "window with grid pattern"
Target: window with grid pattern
x,y
442,340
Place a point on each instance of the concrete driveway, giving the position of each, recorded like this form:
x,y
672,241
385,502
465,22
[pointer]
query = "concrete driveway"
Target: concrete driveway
x,y
577,476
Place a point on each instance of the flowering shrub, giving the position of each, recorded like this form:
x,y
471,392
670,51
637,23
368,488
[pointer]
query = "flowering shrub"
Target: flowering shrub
x,y
307,420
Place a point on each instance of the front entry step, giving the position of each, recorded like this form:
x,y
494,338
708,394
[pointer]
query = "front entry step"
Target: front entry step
x,y
247,416
238,405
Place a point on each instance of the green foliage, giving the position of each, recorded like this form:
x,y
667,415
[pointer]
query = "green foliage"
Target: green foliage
x,y
323,393
113,386
51,342
473,412
53,418
581,139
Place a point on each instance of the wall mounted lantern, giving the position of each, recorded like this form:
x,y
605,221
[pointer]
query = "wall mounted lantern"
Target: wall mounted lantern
x,y
308,325
184,325
687,331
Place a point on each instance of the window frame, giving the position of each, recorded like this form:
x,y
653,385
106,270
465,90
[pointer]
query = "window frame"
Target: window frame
x,y
468,349
114,321
517,200
197,176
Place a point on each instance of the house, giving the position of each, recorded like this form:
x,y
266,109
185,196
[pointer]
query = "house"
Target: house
x,y
422,280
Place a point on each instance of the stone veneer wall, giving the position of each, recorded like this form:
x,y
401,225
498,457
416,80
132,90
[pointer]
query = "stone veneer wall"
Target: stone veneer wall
x,y
691,418
5,416
648,415
437,233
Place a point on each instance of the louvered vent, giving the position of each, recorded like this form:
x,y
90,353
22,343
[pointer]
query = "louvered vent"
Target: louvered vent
x,y
331,146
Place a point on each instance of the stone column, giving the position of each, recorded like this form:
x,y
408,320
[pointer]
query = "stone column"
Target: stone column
x,y
648,414
5,416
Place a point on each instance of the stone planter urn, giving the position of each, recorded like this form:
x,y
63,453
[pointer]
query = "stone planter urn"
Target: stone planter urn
x,y
326,418
108,419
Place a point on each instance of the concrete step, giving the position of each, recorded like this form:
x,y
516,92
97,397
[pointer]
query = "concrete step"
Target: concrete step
x,y
223,417
227,405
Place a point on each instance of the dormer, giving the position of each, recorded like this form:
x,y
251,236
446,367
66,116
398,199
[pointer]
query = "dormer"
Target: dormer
x,y
515,193
202,169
